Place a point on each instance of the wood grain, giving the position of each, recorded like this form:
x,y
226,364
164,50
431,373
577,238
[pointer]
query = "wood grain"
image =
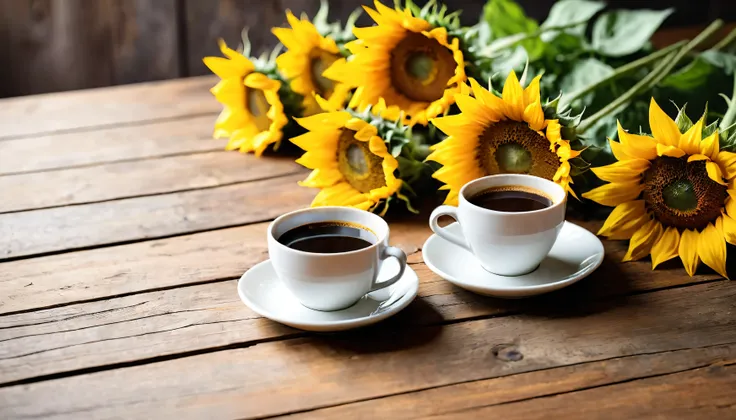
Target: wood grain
x,y
98,108
696,393
66,338
108,145
72,44
87,225
134,268
302,374
492,397
137,178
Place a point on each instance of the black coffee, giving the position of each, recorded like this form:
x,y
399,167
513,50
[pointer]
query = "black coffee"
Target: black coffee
x,y
328,237
510,199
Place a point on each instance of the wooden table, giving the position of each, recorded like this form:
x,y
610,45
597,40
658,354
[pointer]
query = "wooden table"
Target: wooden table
x,y
123,229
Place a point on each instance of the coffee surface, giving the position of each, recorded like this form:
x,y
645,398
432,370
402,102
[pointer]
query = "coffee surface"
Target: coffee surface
x,y
510,199
328,237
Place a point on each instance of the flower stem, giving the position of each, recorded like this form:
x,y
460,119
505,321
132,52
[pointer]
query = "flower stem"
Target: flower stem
x,y
512,40
619,72
659,72
730,117
726,41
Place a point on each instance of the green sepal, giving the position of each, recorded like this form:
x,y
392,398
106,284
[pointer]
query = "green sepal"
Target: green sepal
x,y
683,122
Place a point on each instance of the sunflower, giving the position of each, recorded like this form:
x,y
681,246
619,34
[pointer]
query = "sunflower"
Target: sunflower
x,y
493,135
253,115
405,60
350,161
309,55
673,194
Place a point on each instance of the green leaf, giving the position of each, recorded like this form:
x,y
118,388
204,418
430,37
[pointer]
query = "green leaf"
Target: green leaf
x,y
514,59
506,18
724,61
568,12
683,121
710,129
690,77
623,32
587,72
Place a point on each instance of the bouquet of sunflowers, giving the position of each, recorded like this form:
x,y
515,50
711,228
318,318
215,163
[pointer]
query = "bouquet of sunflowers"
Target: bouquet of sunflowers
x,y
411,108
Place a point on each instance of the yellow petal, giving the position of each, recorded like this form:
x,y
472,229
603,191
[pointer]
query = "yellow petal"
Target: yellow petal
x,y
622,171
642,241
727,162
663,127
666,247
615,193
618,150
729,229
531,93
710,146
513,96
622,214
714,172
712,249
690,141
697,157
634,145
670,151
534,116
488,99
688,251
730,204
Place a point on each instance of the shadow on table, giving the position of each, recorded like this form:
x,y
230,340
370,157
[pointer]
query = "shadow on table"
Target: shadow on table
x,y
388,336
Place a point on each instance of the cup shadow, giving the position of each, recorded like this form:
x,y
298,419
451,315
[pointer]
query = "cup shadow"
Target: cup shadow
x,y
388,336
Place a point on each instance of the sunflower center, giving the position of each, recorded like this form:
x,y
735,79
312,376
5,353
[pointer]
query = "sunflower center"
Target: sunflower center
x,y
362,169
513,158
317,65
680,194
513,147
258,107
421,68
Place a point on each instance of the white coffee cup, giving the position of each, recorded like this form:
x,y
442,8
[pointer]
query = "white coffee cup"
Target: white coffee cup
x,y
505,243
333,281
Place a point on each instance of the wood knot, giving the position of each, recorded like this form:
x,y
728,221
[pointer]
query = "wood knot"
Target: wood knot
x,y
507,353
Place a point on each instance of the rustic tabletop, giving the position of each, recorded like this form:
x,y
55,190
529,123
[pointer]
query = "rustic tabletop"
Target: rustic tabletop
x,y
124,228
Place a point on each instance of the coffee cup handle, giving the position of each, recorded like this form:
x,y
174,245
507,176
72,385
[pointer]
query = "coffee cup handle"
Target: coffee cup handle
x,y
391,251
442,232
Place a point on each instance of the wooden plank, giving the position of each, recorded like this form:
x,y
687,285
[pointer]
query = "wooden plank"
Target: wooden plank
x,y
97,108
133,268
162,323
485,398
74,44
67,338
133,219
700,393
108,145
303,374
227,253
137,178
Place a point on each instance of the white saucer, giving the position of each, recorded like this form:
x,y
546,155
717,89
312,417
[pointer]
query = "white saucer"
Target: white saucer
x,y
575,254
264,293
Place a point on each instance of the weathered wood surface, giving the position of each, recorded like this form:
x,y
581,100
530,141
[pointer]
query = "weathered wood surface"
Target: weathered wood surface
x,y
136,178
493,397
109,145
136,314
96,108
303,374
73,44
86,225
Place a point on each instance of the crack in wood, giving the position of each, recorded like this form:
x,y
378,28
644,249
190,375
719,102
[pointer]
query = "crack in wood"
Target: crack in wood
x,y
590,362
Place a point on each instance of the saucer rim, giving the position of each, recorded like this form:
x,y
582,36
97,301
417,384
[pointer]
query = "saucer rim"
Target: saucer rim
x,y
541,288
398,306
